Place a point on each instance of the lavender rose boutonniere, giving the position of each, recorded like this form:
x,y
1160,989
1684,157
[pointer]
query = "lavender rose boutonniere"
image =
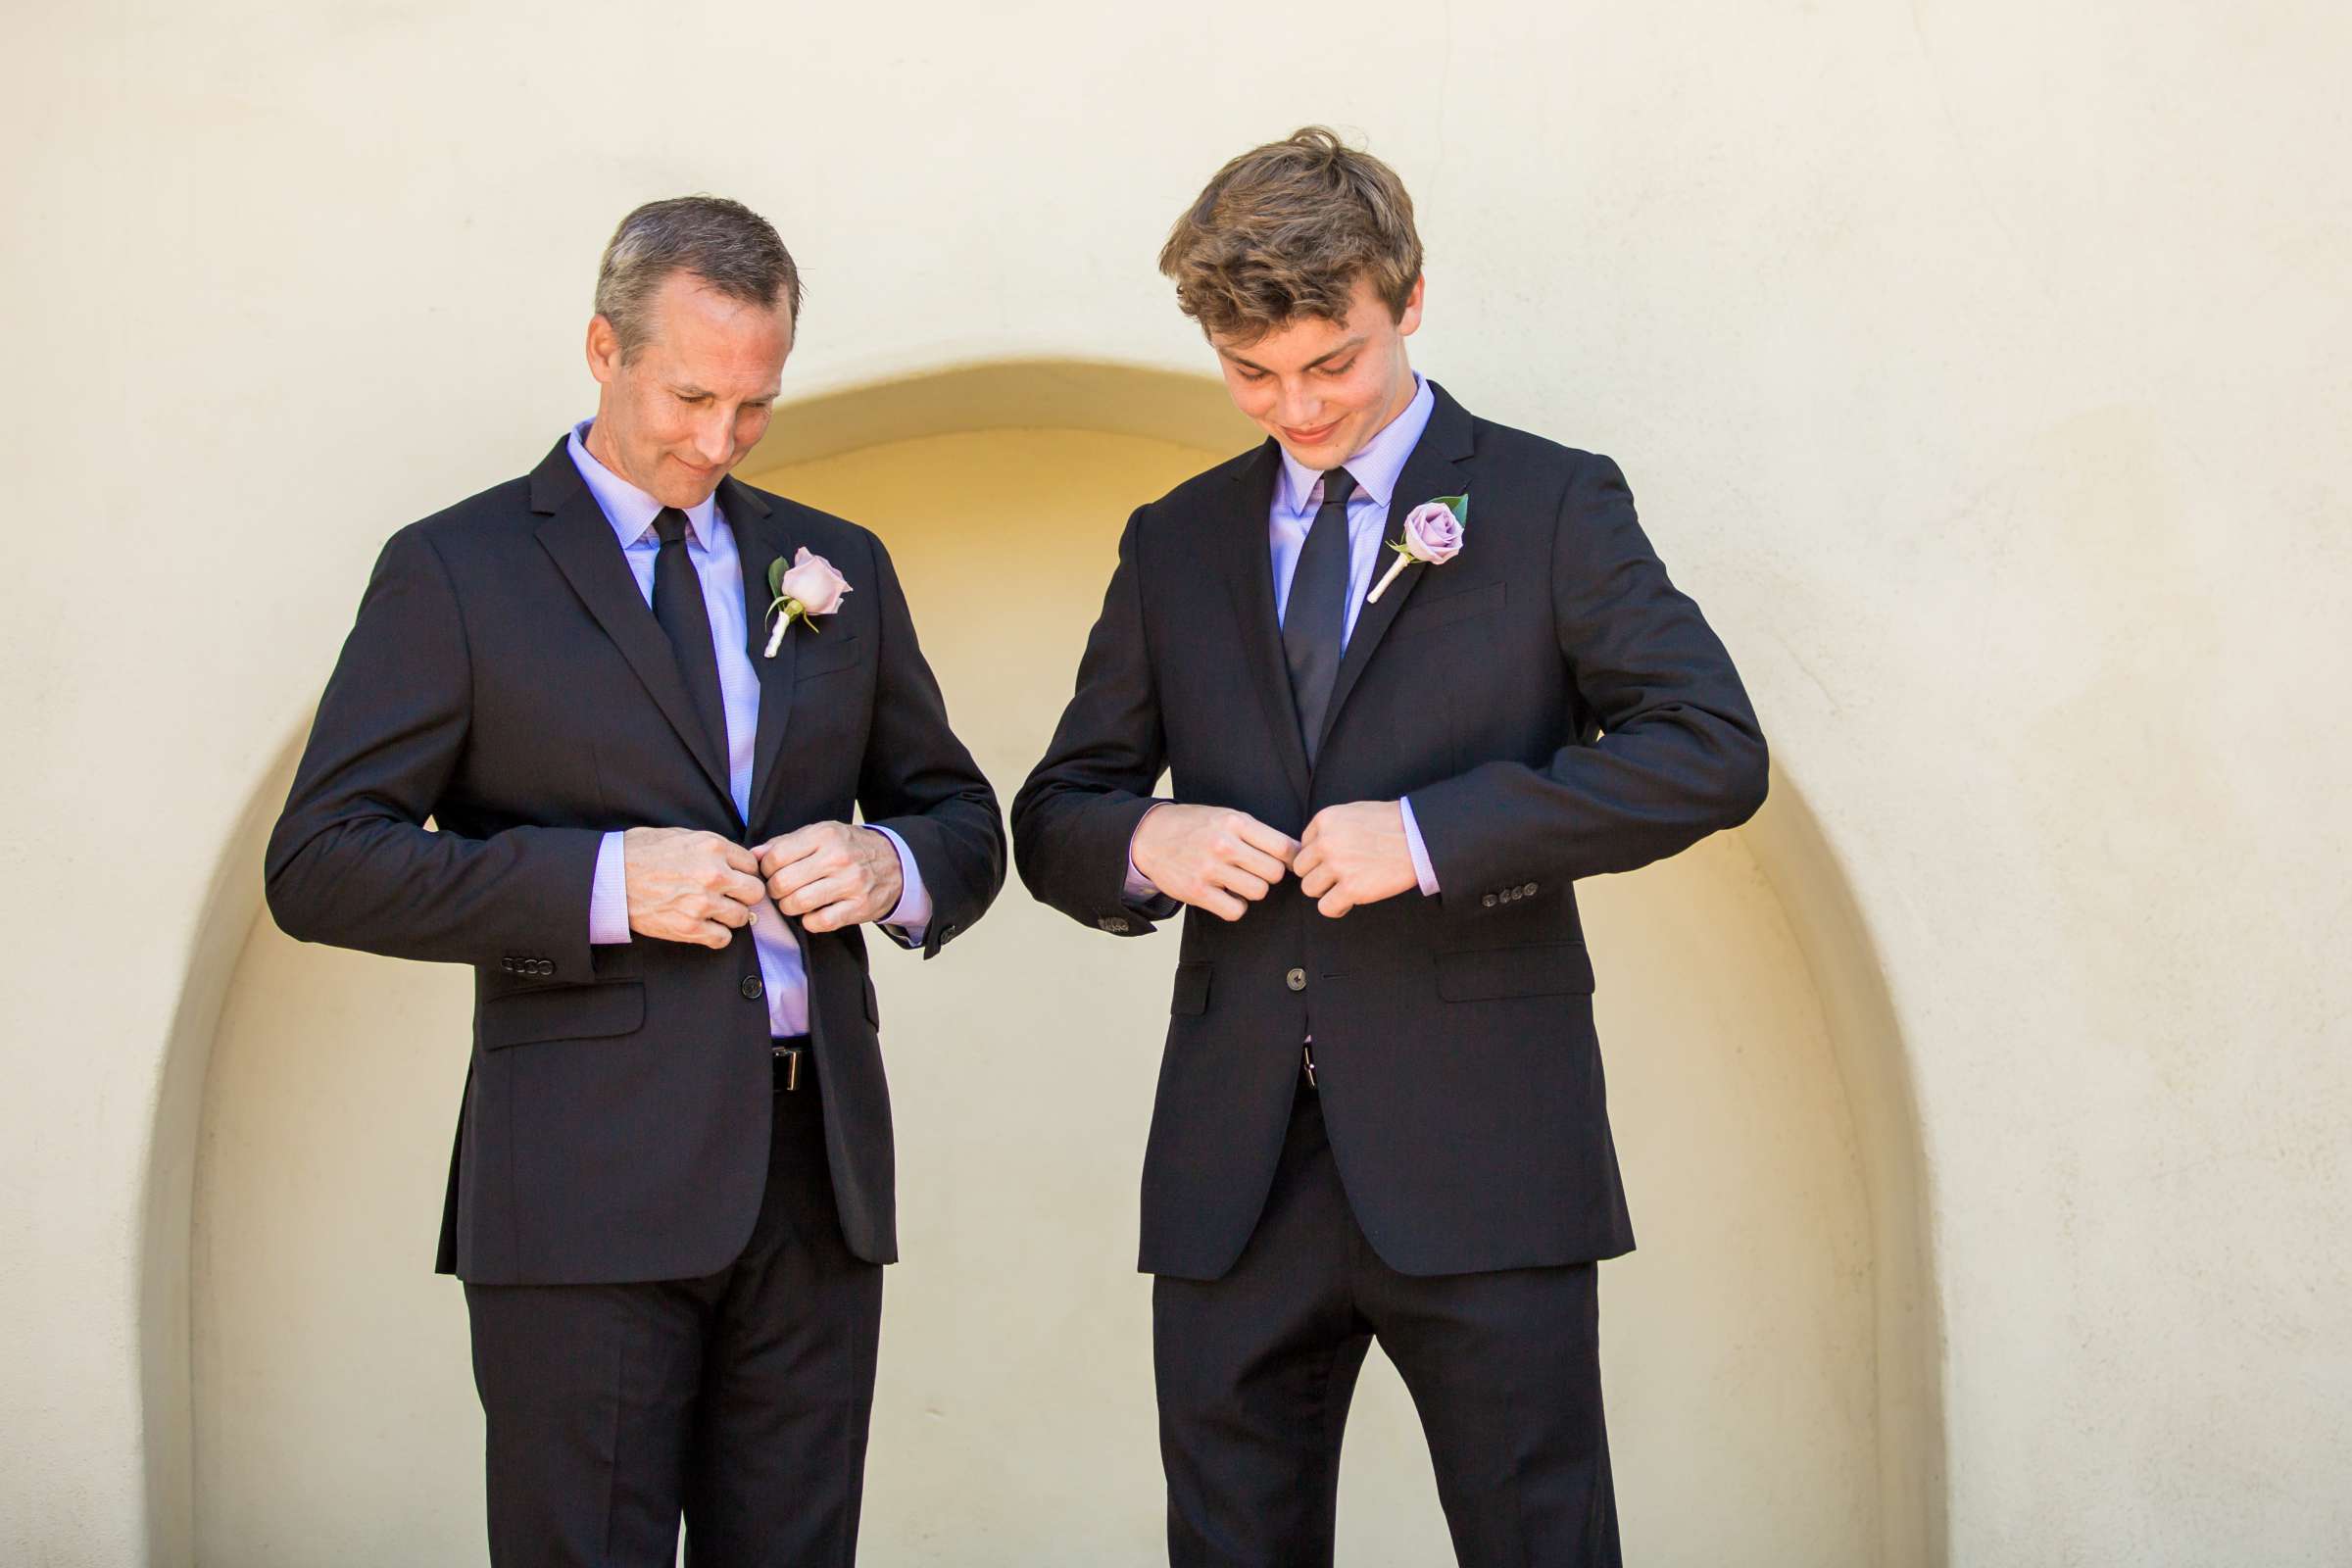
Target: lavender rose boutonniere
x,y
1433,533
810,587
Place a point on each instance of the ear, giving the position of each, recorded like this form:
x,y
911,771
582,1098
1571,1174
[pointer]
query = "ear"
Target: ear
x,y
1409,319
604,350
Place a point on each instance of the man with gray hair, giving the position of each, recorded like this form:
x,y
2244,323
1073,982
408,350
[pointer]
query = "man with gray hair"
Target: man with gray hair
x,y
640,703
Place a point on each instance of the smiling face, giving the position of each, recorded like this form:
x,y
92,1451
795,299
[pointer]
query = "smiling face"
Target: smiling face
x,y
679,413
1324,388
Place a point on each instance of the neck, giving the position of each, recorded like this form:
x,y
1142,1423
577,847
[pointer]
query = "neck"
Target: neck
x,y
602,449
1403,400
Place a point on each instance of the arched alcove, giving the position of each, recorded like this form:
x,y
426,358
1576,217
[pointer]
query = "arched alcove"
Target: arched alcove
x,y
1771,1351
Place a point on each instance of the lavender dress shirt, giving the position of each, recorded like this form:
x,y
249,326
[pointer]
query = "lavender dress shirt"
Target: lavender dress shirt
x,y
711,547
1298,497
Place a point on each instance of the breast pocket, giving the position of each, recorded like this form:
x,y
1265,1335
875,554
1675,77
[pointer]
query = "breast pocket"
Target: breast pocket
x,y
1429,614
824,654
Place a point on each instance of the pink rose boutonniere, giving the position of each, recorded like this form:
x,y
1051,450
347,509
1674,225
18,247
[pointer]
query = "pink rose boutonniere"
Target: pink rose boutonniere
x,y
1433,533
810,587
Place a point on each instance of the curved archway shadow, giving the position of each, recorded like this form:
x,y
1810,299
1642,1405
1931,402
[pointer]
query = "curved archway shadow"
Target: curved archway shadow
x,y
1793,849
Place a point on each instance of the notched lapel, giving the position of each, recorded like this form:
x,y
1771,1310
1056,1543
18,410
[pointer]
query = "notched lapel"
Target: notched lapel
x,y
580,539
1248,559
1433,469
762,539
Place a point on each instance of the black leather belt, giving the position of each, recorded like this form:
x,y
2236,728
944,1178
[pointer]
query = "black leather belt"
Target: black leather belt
x,y
792,1064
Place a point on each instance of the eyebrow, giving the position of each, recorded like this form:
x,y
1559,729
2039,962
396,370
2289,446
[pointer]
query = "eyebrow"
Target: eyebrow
x,y
687,389
1348,346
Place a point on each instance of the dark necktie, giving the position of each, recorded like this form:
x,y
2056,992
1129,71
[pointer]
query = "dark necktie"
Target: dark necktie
x,y
1316,613
678,606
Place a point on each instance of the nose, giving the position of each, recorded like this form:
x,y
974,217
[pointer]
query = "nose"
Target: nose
x,y
715,439
1300,409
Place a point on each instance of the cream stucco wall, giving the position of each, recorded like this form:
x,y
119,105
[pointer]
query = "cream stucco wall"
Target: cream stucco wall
x,y
1980,367
335,1420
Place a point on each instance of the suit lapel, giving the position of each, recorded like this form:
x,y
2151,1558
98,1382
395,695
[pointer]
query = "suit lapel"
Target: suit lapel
x,y
1247,556
1433,469
762,537
578,536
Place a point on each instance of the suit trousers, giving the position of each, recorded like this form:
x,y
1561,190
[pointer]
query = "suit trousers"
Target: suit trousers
x,y
1256,1371
740,1400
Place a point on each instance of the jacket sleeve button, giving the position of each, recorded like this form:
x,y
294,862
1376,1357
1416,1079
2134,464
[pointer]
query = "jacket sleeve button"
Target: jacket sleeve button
x,y
1489,901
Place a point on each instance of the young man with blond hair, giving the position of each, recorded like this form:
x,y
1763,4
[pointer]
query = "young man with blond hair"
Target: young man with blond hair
x,y
1410,675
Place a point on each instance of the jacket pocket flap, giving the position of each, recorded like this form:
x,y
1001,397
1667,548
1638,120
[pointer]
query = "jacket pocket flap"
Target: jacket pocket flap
x,y
1191,995
560,1013
822,654
1541,969
1422,614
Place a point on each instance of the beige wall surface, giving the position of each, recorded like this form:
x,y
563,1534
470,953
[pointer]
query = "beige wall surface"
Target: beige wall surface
x,y
335,1419
1980,367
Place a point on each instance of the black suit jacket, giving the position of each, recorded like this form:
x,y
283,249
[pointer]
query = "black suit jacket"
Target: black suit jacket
x,y
506,679
1555,709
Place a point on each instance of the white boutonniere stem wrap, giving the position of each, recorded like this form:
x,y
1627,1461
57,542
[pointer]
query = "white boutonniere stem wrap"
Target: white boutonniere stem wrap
x,y
1432,534
807,589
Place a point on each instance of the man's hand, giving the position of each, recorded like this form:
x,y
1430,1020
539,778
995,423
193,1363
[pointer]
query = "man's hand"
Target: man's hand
x,y
832,875
1355,853
1212,857
688,886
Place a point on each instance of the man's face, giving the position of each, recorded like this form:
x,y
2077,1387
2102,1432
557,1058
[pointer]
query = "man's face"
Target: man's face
x,y
675,417
1321,388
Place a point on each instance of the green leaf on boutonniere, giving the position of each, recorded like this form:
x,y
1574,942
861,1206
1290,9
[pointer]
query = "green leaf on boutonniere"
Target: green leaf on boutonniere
x,y
775,578
1459,506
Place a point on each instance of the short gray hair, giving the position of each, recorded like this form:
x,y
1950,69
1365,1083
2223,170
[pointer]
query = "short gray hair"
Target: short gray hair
x,y
724,243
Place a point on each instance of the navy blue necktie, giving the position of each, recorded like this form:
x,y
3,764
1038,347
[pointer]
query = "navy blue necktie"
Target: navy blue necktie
x,y
678,606
1314,620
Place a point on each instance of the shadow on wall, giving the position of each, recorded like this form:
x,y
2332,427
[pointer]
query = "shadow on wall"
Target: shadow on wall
x,y
1764,1115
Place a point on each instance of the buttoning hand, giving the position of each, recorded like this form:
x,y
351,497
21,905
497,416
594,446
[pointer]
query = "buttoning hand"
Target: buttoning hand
x,y
686,885
1355,853
1212,857
832,875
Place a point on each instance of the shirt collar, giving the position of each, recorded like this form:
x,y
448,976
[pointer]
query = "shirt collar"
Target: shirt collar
x,y
1376,467
630,510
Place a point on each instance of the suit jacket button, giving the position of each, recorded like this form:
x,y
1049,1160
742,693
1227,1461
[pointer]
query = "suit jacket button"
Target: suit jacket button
x,y
753,989
1489,901
1296,979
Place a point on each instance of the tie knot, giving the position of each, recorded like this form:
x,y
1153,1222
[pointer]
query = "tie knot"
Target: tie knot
x,y
670,524
1339,487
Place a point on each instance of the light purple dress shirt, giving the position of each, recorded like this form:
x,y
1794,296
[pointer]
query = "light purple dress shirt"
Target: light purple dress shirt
x,y
1298,497
711,547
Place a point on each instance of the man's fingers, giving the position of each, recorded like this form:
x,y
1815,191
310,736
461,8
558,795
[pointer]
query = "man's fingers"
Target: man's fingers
x,y
1233,879
832,917
740,859
711,934
1259,864
788,848
1272,840
1318,881
1310,856
743,889
1335,903
1221,903
815,896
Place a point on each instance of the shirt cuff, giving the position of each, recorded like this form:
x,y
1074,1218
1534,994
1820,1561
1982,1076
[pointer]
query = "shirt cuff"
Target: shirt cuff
x,y
609,895
911,916
1139,889
1423,871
